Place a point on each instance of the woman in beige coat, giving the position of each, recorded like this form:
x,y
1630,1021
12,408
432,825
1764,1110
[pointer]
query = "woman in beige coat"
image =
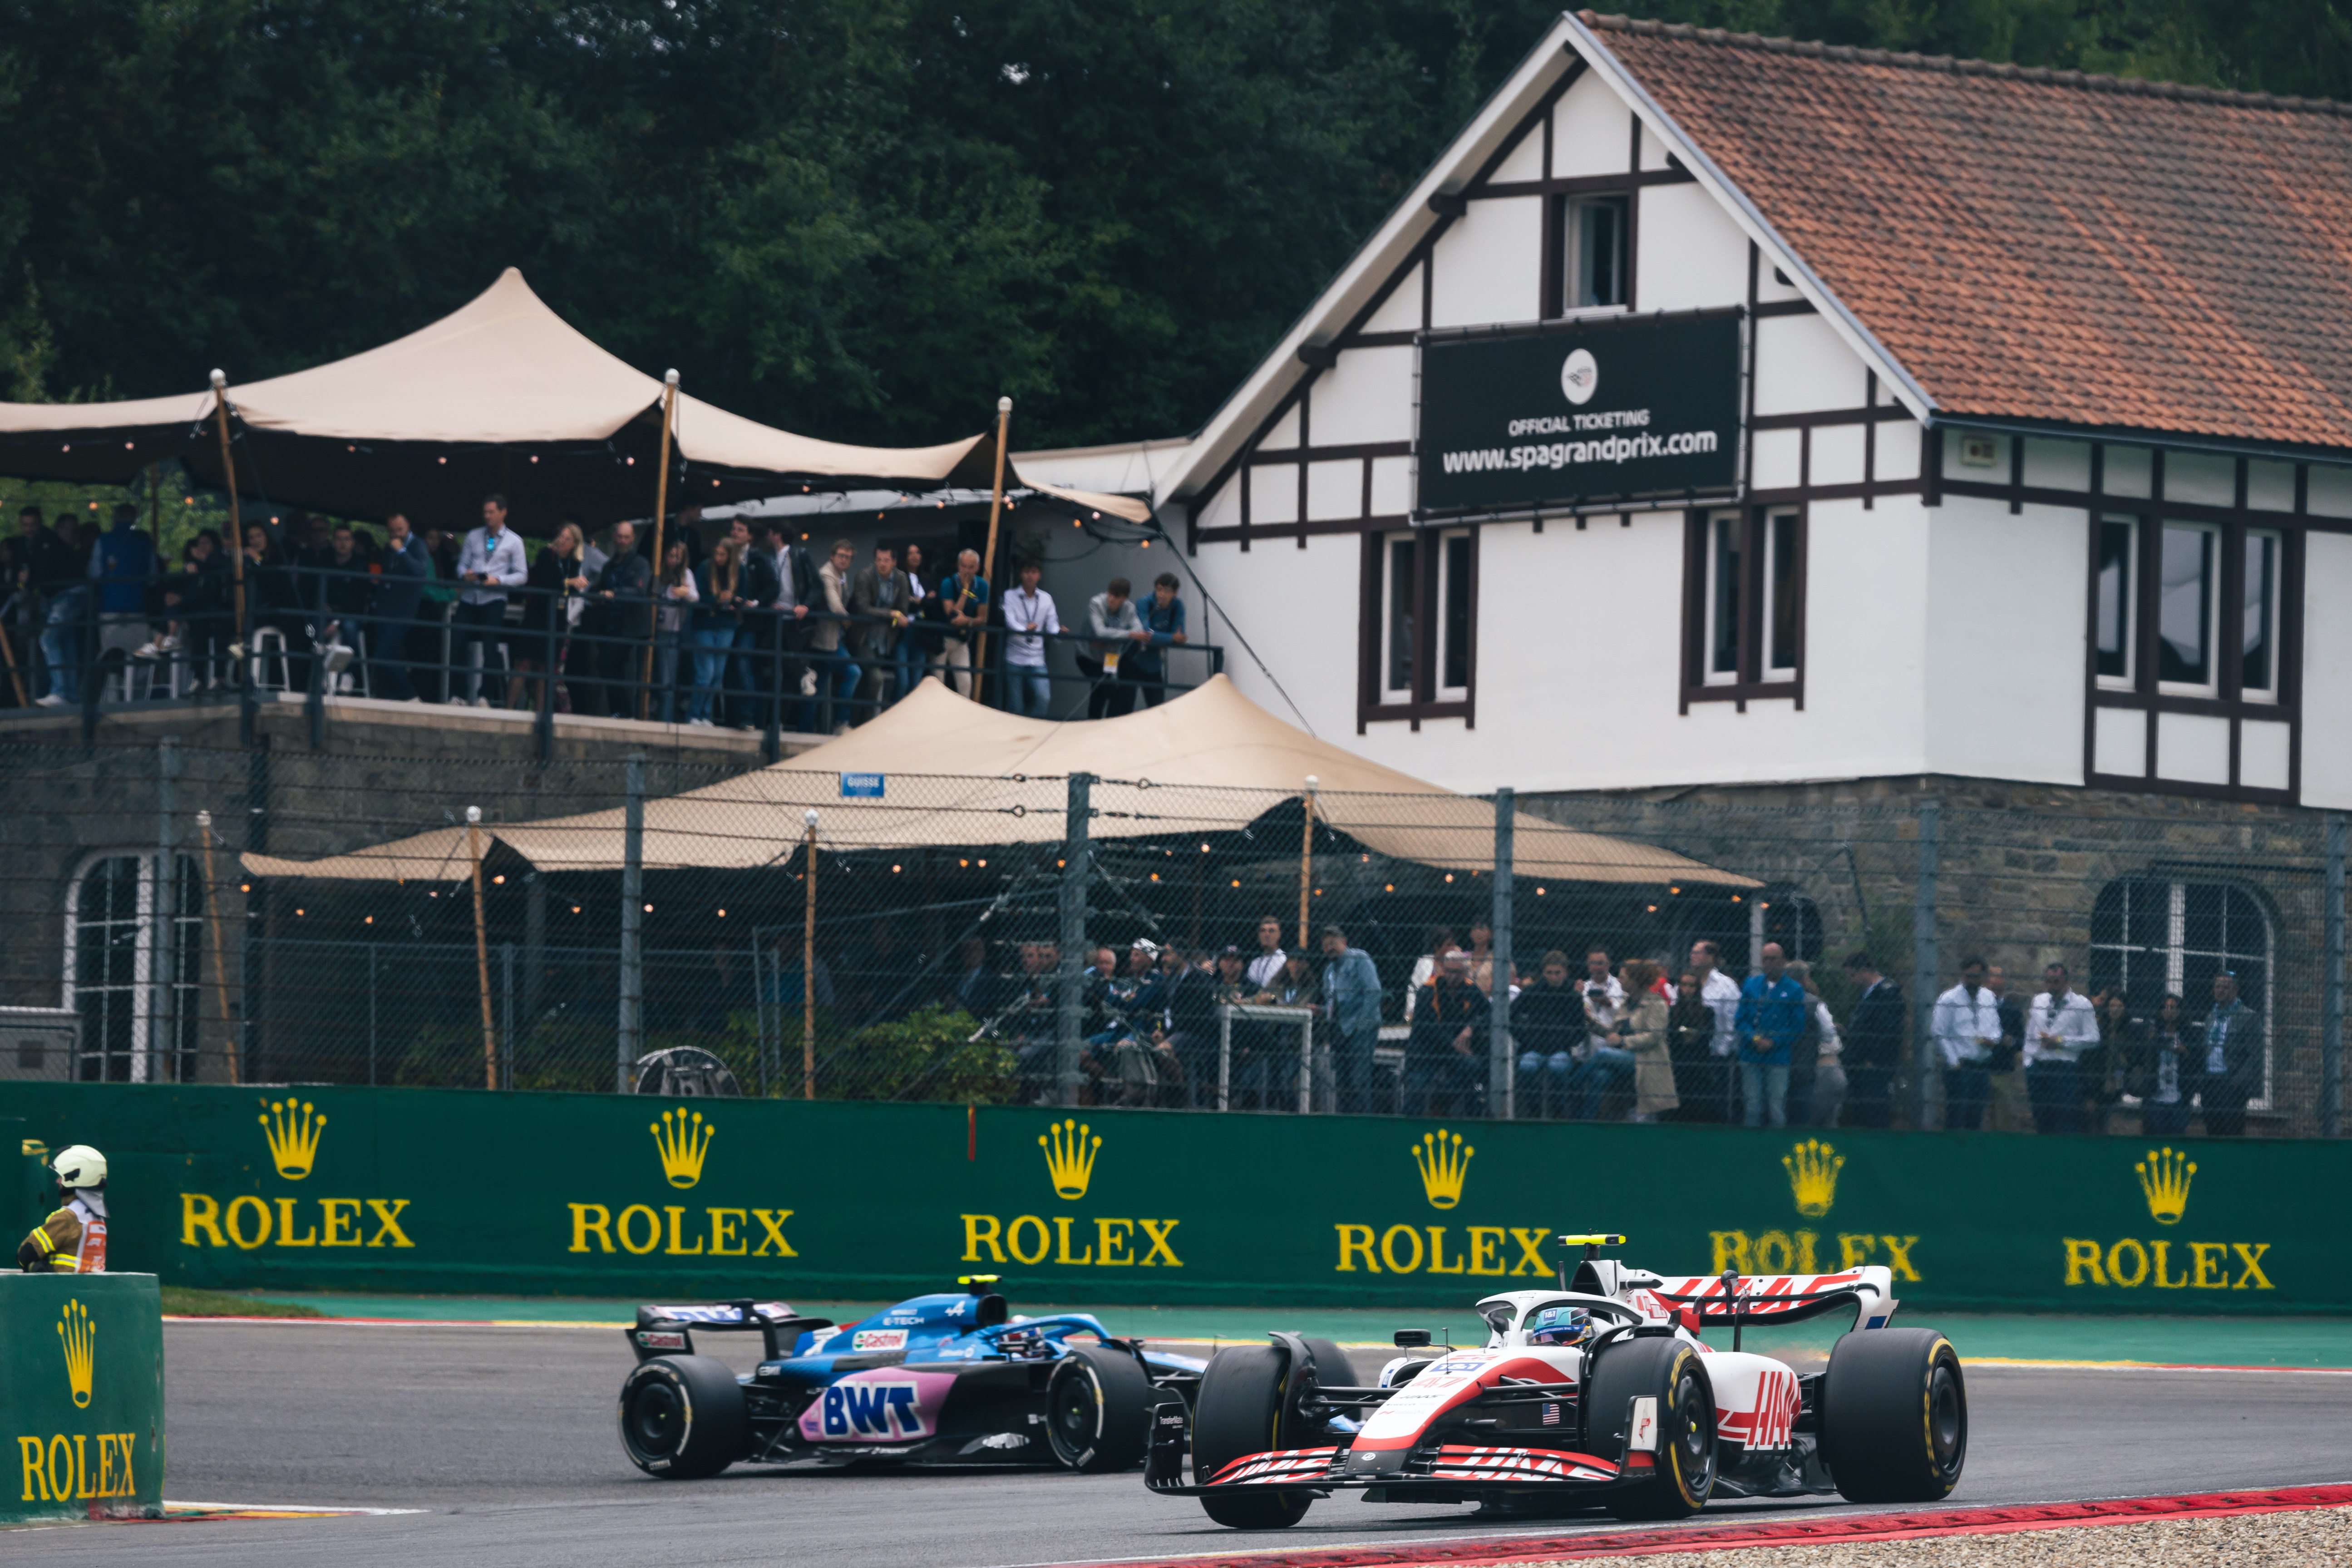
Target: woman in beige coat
x,y
1642,1032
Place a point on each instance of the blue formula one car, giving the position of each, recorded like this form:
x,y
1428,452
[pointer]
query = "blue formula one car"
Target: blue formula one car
x,y
951,1379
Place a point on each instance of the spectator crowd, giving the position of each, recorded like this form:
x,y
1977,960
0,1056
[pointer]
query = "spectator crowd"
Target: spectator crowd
x,y
749,630
1599,1038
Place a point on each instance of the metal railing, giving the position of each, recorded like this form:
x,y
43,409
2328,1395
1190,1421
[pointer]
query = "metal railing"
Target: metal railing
x,y
325,633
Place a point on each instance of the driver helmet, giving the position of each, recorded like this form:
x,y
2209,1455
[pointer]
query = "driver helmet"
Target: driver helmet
x,y
1561,1326
78,1166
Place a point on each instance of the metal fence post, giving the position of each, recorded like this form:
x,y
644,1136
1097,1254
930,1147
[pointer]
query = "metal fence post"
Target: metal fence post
x,y
506,1014
1500,1079
86,647
161,1035
1925,967
543,722
772,743
252,989
632,1035
1067,1073
314,701
2331,993
372,1009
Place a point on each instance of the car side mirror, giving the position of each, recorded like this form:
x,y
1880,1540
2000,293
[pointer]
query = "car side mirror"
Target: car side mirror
x,y
1412,1338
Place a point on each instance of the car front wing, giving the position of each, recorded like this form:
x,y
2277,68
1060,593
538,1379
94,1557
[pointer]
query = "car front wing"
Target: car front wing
x,y
1442,1468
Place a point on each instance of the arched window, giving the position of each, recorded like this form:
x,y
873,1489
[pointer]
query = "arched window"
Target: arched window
x,y
2155,935
131,967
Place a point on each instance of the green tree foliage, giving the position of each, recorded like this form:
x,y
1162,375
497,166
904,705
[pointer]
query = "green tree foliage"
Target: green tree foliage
x,y
859,218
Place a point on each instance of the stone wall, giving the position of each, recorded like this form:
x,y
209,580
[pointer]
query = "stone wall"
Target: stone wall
x,y
2020,869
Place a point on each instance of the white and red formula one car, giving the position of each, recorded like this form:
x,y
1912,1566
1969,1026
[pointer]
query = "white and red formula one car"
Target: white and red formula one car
x,y
1601,1395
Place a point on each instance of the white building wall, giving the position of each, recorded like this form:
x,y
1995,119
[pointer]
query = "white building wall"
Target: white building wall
x,y
1592,131
1690,255
1488,267
1298,609
1366,398
2326,670
1802,365
2005,640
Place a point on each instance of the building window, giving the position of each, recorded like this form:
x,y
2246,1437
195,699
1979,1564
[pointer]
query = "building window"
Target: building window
x,y
2193,633
2185,607
2117,575
1746,607
1420,623
131,967
1593,232
2156,937
2258,636
2199,578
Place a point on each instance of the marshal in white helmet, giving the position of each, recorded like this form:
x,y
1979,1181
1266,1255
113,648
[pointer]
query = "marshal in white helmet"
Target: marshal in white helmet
x,y
71,1240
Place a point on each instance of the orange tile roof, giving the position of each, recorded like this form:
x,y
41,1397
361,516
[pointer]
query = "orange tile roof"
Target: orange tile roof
x,y
2044,245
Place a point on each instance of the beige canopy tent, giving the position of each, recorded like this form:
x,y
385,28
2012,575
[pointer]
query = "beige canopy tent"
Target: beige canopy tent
x,y
503,394
1210,761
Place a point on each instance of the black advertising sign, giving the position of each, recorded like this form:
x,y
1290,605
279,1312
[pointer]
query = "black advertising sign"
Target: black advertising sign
x,y
1609,410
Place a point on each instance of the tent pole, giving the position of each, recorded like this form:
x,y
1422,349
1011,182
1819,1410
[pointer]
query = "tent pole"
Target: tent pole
x,y
16,676
235,526
155,509
482,952
988,558
808,959
1305,858
661,516
211,907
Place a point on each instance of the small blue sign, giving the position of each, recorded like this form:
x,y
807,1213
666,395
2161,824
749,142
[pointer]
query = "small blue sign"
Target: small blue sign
x,y
861,786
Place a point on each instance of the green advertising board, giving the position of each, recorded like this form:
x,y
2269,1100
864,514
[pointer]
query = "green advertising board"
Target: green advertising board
x,y
82,1396
428,1190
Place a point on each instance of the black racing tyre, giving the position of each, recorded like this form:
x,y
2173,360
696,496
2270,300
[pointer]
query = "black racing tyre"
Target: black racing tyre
x,y
682,1417
1669,1370
1099,1407
1333,1367
1239,1411
1894,1415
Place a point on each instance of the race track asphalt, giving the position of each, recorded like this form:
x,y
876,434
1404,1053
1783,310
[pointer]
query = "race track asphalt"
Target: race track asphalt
x,y
504,1438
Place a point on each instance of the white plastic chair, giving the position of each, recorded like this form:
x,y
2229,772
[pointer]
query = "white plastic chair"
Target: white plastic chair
x,y
266,638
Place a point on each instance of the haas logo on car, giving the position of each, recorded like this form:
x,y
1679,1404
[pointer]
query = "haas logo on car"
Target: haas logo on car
x,y
876,1409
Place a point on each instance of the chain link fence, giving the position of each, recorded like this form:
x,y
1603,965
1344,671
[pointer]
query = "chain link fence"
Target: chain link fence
x,y
183,913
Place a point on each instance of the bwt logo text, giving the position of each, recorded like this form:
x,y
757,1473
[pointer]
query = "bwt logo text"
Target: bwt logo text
x,y
873,1410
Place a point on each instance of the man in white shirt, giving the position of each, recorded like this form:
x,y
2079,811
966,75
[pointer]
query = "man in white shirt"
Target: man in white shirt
x,y
837,672
1967,1031
1028,611
2059,1027
491,561
1711,1101
1266,967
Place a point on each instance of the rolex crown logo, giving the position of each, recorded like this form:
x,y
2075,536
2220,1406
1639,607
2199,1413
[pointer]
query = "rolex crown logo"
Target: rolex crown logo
x,y
683,1140
80,1337
1070,1153
2164,1177
293,1130
1444,1162
1813,1168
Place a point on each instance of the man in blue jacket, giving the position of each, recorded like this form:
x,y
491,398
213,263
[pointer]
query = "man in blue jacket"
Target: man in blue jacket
x,y
1770,1021
122,567
408,567
1351,1001
1163,617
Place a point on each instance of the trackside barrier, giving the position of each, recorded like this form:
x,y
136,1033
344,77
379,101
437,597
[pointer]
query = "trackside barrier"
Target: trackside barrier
x,y
82,1407
438,1190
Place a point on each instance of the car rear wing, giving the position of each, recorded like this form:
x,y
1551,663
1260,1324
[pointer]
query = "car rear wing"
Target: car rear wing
x,y
1739,1299
669,1331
